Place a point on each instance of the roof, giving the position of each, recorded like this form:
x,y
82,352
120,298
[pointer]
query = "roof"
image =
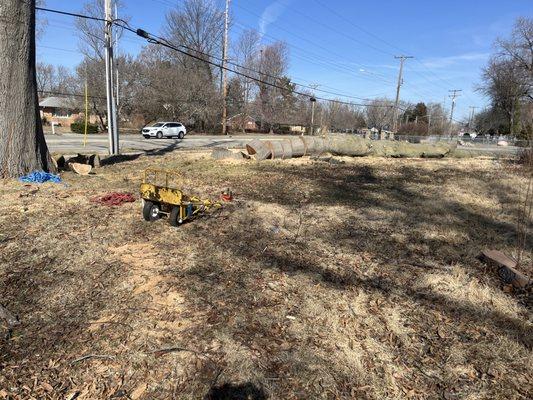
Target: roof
x,y
57,102
241,116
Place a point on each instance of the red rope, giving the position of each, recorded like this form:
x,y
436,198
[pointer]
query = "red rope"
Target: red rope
x,y
114,199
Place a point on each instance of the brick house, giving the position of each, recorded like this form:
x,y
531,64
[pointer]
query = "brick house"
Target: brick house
x,y
63,111
237,122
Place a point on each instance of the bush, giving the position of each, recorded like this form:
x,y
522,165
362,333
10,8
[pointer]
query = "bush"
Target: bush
x,y
79,127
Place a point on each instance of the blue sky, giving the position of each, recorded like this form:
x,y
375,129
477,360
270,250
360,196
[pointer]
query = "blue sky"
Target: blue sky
x,y
346,46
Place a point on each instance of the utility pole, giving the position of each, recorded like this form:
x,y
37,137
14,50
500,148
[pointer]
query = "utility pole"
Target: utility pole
x,y
224,72
471,119
314,86
313,101
112,128
117,93
400,83
454,94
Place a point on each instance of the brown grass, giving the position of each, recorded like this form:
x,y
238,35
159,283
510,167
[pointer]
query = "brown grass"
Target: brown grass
x,y
356,280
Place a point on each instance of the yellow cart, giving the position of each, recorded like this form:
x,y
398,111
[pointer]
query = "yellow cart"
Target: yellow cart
x,y
161,196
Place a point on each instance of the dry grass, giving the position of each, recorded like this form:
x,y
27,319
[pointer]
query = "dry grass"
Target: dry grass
x,y
357,280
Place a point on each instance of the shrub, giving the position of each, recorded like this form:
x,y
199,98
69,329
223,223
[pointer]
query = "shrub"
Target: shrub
x,y
79,127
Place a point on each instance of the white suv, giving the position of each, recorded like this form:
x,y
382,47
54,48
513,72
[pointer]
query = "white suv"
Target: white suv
x,y
164,129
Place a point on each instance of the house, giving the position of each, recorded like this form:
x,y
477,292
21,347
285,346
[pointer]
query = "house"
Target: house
x,y
62,111
240,121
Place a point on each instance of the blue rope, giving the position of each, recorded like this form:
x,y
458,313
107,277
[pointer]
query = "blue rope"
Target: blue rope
x,y
40,177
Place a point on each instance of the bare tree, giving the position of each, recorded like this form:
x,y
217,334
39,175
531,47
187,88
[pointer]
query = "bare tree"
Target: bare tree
x,y
92,32
379,114
273,64
198,25
246,52
23,147
520,49
508,78
504,84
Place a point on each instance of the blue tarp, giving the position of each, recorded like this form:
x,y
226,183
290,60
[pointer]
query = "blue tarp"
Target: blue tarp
x,y
40,177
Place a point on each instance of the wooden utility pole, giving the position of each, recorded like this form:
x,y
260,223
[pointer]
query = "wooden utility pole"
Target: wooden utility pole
x,y
471,119
22,144
400,83
112,127
454,94
224,72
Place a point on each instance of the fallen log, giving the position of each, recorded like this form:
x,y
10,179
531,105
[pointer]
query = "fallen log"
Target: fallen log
x,y
298,147
287,149
259,149
276,149
348,146
506,268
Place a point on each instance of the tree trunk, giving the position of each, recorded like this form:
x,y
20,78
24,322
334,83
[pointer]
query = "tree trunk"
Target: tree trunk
x,y
22,145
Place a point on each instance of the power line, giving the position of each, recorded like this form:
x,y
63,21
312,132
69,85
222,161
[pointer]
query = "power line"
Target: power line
x,y
163,42
318,60
70,14
154,39
50,92
333,11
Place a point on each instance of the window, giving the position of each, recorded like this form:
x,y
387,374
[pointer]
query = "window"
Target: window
x,y
61,113
171,125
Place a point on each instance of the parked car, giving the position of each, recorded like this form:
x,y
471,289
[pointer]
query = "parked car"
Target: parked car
x,y
164,129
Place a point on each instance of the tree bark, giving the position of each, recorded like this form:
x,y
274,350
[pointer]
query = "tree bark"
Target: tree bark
x,y
22,145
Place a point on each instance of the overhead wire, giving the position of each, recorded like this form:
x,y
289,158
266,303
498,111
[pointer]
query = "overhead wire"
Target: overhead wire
x,y
161,41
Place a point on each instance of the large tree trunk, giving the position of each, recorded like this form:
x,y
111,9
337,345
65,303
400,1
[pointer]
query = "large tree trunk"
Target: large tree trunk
x,y
22,144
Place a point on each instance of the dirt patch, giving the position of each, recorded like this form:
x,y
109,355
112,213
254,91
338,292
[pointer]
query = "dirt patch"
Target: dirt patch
x,y
350,280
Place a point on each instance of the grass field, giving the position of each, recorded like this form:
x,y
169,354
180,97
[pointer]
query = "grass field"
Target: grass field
x,y
357,280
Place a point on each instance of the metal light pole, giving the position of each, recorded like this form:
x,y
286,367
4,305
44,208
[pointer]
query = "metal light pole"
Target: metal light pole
x,y
224,72
111,106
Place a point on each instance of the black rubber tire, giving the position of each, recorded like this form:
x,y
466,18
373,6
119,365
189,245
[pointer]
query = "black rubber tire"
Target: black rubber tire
x,y
159,135
149,211
181,135
174,216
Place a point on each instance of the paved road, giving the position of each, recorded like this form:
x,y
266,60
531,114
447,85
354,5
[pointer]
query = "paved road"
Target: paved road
x,y
70,143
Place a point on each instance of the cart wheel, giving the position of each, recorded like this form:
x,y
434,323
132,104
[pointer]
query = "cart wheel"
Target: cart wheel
x,y
151,211
175,217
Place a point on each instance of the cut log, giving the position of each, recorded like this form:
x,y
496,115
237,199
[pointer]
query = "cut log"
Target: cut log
x,y
94,160
298,148
276,149
344,146
348,146
80,169
506,268
59,162
258,148
287,149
